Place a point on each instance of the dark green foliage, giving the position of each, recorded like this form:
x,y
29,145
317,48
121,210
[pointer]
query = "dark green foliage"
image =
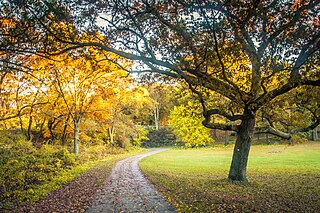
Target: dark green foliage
x,y
157,138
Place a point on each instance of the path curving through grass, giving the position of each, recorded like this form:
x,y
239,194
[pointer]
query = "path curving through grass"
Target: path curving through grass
x,y
127,190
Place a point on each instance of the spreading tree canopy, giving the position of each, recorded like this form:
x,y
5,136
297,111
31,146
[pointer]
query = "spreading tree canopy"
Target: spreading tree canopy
x,y
248,52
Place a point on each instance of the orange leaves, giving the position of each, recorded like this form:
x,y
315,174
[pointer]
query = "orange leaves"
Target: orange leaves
x,y
7,23
296,4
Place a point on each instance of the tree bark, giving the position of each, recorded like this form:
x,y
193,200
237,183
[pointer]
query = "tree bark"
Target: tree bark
x,y
29,133
50,127
156,116
111,134
76,124
226,141
315,134
241,150
64,133
40,133
215,133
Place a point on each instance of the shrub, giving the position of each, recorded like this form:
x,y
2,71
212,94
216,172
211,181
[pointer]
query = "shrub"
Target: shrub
x,y
23,166
157,138
27,173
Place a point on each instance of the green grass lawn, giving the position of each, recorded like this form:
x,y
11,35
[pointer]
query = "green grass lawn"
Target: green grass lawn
x,y
281,179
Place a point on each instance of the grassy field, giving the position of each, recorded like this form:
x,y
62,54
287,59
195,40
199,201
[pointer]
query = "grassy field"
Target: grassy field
x,y
281,179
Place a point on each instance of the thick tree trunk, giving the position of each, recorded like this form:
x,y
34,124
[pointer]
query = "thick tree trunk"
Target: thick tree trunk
x,y
241,150
76,137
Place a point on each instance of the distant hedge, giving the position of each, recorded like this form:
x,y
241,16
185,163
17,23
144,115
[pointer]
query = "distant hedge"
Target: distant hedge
x,y
157,138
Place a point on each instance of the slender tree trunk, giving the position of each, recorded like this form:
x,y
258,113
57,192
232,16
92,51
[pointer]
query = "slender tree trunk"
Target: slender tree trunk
x,y
156,116
111,134
29,133
314,134
64,133
40,134
76,124
226,141
21,125
50,127
241,150
214,131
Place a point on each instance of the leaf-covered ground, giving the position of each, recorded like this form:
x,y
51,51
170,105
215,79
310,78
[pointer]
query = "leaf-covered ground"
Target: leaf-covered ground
x,y
78,194
282,179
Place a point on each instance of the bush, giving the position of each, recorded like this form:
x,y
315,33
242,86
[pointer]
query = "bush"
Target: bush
x,y
157,138
23,166
26,173
130,135
93,153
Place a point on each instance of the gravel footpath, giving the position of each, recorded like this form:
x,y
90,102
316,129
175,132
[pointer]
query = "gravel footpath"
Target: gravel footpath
x,y
127,190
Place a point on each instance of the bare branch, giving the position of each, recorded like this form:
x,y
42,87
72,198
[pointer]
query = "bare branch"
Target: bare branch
x,y
273,131
266,97
224,114
211,125
284,135
19,113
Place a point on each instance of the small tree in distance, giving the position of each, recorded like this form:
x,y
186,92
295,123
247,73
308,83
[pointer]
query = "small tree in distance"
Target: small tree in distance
x,y
186,123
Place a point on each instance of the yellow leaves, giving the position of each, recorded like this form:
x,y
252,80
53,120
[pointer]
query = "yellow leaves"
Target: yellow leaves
x,y
188,58
296,4
238,71
186,123
85,138
7,22
277,80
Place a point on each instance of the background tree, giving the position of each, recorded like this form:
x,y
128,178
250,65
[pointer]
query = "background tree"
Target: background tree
x,y
292,112
126,99
163,98
77,80
21,97
186,122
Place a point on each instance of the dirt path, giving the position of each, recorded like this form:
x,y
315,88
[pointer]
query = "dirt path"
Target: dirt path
x,y
127,190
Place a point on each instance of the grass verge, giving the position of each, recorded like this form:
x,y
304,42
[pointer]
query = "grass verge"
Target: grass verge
x,y
281,179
